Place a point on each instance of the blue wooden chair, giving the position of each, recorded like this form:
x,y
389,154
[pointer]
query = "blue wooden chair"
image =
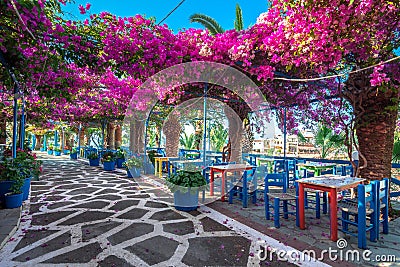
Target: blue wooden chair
x,y
243,191
382,206
313,199
357,212
280,199
279,166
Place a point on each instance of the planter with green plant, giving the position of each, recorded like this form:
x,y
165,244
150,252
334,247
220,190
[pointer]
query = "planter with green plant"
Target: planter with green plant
x,y
57,151
133,166
108,160
15,176
120,158
185,184
74,153
94,159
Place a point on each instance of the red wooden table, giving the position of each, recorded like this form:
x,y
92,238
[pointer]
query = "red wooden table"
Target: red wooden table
x,y
332,185
223,169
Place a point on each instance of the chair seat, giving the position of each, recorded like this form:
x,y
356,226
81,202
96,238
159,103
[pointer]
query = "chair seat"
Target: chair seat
x,y
352,207
282,196
250,186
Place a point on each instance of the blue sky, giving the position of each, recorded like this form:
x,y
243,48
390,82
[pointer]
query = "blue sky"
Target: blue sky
x,y
221,10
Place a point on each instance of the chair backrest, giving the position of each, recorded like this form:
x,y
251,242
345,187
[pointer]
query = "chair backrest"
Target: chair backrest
x,y
276,179
279,165
258,174
382,190
290,165
366,197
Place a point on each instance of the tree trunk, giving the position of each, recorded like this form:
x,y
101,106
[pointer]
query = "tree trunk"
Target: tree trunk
x,y
172,130
82,137
38,142
111,135
118,136
375,121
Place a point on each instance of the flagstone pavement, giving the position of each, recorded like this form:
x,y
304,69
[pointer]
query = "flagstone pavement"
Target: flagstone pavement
x,y
83,216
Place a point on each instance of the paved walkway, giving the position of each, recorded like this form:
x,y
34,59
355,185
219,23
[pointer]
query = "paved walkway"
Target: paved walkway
x,y
83,216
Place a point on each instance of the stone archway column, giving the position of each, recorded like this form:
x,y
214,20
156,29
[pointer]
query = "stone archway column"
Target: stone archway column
x,y
136,136
172,130
235,133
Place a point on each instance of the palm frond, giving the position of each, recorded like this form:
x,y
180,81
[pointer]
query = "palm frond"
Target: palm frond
x,y
238,24
208,22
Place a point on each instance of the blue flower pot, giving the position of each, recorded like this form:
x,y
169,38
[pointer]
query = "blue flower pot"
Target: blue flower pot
x,y
94,162
129,174
109,165
13,201
119,162
50,152
73,155
66,151
135,172
186,201
57,153
4,188
26,188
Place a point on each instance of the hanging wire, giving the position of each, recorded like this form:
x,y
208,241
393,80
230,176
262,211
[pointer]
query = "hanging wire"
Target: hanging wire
x,y
172,11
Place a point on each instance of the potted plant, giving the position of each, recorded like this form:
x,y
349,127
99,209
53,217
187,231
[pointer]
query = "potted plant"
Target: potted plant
x,y
50,150
15,176
133,166
57,151
14,198
120,157
108,161
74,154
185,184
93,158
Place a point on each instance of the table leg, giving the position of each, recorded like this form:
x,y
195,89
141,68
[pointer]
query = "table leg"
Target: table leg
x,y
155,166
211,182
301,209
160,168
223,186
333,215
244,193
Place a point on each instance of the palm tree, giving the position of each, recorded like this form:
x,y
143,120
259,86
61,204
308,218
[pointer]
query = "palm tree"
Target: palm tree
x,y
396,147
213,26
218,136
187,141
327,141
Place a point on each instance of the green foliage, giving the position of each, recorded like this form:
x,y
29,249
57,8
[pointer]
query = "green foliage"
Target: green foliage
x,y
238,23
396,147
120,154
17,169
208,22
187,141
190,178
93,155
134,162
218,136
327,140
108,157
57,149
